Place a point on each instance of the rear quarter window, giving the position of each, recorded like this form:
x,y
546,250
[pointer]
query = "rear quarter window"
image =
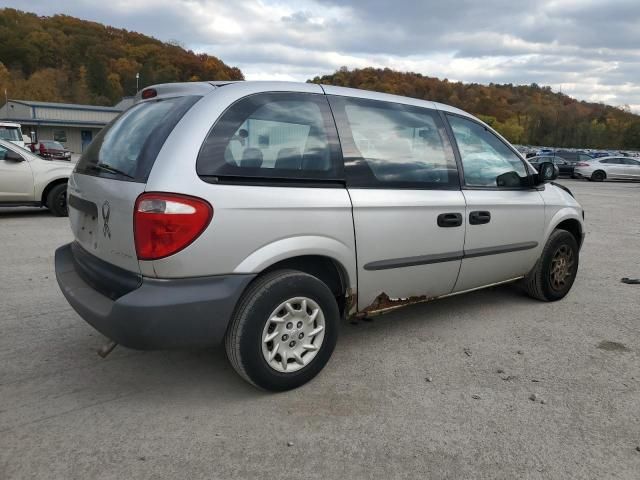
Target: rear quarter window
x,y
272,136
127,148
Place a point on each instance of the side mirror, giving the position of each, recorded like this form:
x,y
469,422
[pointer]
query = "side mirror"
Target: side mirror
x,y
547,171
12,156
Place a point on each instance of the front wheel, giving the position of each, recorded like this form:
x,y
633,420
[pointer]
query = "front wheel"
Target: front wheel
x,y
57,200
283,331
556,269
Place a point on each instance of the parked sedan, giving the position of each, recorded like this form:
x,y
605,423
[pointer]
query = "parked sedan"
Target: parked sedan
x,y
573,156
54,150
565,167
614,168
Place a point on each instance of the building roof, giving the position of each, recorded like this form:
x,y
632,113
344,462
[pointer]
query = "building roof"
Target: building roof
x,y
66,106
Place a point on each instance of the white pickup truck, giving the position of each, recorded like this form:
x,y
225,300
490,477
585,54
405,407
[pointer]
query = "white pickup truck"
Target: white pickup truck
x,y
29,180
12,132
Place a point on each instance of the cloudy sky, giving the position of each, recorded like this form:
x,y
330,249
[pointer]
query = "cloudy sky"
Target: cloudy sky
x,y
588,49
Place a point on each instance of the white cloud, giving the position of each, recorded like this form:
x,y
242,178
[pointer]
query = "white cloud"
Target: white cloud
x,y
589,49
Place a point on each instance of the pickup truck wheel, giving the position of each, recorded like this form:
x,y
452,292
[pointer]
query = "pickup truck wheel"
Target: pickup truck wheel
x,y
57,200
283,331
554,273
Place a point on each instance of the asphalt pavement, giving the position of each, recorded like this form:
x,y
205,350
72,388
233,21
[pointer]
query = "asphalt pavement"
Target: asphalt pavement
x,y
487,385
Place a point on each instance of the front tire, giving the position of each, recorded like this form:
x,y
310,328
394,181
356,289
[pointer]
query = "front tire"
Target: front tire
x,y
283,330
57,200
556,269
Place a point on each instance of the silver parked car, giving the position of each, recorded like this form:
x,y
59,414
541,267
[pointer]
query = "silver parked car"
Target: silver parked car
x,y
609,168
262,213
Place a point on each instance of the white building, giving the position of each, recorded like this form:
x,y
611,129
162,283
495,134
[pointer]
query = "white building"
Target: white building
x,y
72,125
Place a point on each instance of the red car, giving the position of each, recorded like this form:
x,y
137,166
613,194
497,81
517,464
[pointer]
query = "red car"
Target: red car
x,y
51,149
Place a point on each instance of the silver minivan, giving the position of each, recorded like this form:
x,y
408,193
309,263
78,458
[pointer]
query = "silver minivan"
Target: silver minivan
x,y
260,214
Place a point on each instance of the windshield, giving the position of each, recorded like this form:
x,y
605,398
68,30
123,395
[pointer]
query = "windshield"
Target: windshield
x,y
131,142
10,133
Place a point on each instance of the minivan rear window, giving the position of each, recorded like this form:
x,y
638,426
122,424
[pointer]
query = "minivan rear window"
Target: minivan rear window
x,y
127,148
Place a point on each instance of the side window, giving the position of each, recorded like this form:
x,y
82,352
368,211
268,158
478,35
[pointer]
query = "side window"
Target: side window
x,y
273,135
3,152
391,145
486,160
584,158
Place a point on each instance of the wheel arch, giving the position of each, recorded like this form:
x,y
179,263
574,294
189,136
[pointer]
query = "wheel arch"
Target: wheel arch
x,y
49,186
306,246
325,258
328,270
569,221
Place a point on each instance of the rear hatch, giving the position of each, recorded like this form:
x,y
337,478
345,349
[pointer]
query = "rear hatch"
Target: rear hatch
x,y
113,172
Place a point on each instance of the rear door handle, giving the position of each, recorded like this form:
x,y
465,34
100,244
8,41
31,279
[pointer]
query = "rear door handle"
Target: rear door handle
x,y
446,220
479,217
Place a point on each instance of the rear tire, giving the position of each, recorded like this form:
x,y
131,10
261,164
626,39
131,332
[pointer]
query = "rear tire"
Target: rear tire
x,y
57,200
556,269
598,176
272,308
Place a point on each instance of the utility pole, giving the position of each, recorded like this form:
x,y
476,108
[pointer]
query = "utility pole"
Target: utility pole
x,y
137,78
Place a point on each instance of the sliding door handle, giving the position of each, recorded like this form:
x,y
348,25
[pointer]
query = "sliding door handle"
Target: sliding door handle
x,y
479,217
446,220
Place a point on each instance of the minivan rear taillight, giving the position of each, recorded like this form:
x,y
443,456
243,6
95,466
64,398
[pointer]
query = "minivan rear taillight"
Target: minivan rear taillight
x,y
165,223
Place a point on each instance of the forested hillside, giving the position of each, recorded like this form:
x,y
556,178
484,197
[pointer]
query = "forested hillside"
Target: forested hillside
x,y
65,59
531,114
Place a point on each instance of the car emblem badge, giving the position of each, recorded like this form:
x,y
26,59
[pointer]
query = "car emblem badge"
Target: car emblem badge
x,y
106,212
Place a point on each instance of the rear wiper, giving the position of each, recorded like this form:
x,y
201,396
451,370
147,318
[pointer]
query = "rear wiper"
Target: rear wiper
x,y
108,168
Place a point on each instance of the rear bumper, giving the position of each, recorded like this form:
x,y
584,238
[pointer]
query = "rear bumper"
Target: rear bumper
x,y
158,314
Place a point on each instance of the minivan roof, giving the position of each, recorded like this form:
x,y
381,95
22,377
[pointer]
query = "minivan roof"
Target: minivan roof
x,y
203,88
388,97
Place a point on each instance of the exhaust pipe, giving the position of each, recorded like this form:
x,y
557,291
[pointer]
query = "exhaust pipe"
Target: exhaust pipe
x,y
107,349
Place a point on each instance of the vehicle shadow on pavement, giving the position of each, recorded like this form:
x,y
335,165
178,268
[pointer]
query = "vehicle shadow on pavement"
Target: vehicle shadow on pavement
x,y
468,307
207,374
203,373
75,378
23,212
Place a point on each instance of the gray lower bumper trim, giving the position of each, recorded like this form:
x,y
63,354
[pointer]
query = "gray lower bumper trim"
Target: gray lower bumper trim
x,y
160,313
